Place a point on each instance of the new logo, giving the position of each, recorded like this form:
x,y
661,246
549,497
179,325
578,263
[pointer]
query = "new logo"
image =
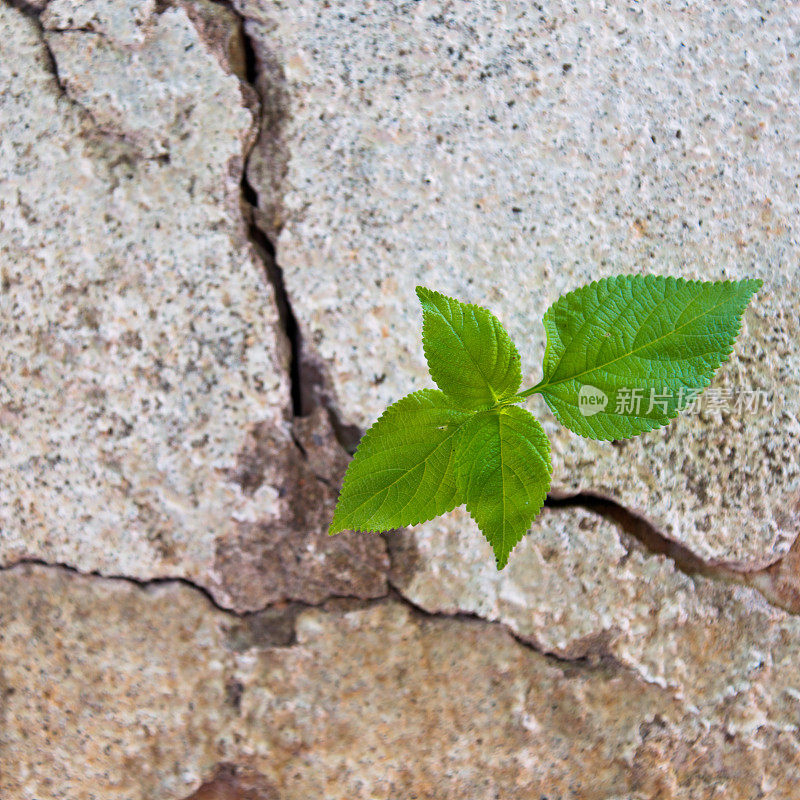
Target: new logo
x,y
591,400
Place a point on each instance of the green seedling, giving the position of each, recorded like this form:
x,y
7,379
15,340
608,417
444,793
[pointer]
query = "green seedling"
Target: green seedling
x,y
624,355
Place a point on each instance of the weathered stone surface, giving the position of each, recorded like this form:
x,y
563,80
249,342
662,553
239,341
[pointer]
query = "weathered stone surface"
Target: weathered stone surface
x,y
141,348
139,693
123,23
232,783
578,588
506,153
503,153
109,690
123,70
264,560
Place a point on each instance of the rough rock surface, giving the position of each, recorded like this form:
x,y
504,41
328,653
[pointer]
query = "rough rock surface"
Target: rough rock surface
x,y
141,347
578,588
508,152
290,556
145,693
501,152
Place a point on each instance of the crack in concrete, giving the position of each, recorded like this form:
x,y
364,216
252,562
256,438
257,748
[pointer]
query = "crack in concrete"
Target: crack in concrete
x,y
309,388
279,630
775,579
33,12
288,322
301,401
595,659
142,583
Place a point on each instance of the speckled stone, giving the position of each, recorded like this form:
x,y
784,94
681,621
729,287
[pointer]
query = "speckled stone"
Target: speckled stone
x,y
500,152
141,348
580,589
109,690
507,152
142,693
231,782
124,23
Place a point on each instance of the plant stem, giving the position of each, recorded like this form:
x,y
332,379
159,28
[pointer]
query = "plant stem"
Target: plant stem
x,y
527,393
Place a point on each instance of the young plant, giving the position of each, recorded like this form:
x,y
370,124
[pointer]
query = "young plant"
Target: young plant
x,y
624,355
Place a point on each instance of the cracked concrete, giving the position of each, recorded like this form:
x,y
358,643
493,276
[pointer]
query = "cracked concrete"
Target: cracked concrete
x,y
189,688
147,365
450,147
776,578
170,234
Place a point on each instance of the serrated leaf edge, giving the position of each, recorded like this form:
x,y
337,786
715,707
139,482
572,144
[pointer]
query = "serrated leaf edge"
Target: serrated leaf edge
x,y
703,383
548,461
472,307
365,439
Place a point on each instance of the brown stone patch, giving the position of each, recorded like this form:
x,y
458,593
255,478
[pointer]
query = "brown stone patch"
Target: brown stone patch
x,y
291,556
231,782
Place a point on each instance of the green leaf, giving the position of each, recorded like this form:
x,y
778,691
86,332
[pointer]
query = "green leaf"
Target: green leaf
x,y
503,471
402,472
470,356
625,355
